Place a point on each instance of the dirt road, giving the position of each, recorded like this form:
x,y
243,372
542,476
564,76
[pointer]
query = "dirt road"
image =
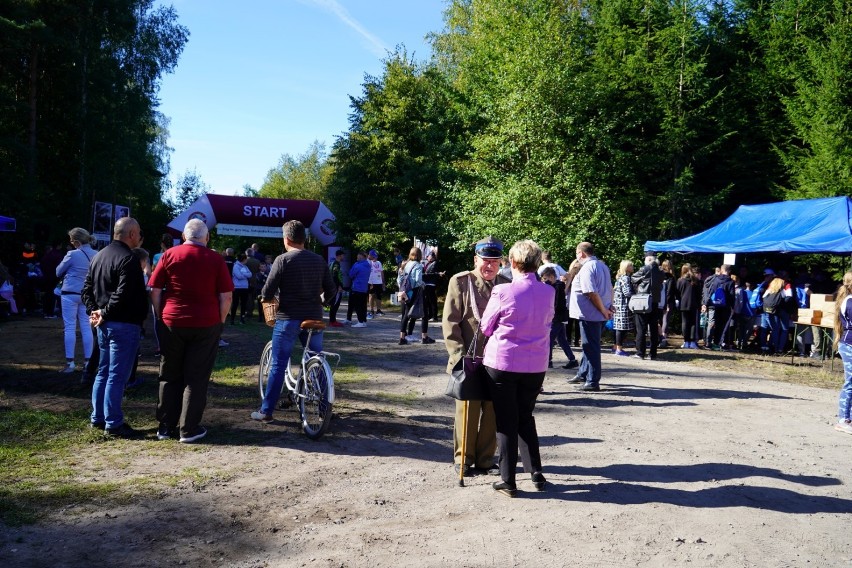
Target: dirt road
x,y
669,465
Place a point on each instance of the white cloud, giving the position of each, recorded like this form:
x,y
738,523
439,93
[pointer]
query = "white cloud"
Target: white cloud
x,y
334,7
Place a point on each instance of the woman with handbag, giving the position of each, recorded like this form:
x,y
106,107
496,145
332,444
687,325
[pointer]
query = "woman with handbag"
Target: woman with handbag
x,y
517,319
411,280
72,270
622,319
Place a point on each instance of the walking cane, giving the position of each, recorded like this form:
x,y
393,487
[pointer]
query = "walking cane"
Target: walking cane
x,y
464,443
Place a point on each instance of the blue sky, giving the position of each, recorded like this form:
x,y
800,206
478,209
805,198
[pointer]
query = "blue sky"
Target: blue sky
x,y
262,78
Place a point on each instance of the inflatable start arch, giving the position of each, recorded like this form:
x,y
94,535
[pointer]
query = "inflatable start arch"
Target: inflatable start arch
x,y
257,216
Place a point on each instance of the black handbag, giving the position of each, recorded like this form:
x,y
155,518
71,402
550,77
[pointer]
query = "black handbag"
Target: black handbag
x,y
416,309
469,379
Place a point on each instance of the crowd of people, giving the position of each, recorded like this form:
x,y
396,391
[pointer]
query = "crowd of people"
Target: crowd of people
x,y
509,309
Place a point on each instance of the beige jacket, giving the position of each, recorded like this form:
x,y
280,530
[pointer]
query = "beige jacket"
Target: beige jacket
x,y
459,324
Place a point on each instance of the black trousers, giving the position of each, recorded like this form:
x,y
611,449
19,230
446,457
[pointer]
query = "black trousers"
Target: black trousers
x,y
687,320
188,355
335,305
514,396
357,302
644,323
407,325
241,296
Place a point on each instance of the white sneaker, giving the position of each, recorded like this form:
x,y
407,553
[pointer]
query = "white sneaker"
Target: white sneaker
x,y
844,426
412,338
69,368
261,417
369,316
347,322
223,343
359,324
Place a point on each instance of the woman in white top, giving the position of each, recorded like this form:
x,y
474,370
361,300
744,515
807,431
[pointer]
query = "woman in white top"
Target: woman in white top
x,y
240,275
72,270
375,285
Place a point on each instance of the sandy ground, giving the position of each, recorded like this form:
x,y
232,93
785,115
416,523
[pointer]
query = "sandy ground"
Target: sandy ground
x,y
669,465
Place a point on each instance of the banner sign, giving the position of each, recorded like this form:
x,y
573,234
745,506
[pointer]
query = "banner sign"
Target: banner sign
x,y
257,212
249,231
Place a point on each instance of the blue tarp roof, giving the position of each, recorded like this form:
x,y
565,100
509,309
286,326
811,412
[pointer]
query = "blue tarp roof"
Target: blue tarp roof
x,y
808,225
7,223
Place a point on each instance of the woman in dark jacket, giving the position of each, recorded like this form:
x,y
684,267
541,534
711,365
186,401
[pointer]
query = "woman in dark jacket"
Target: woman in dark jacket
x,y
689,301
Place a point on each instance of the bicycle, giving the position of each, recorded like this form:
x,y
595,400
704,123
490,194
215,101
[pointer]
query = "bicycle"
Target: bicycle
x,y
311,390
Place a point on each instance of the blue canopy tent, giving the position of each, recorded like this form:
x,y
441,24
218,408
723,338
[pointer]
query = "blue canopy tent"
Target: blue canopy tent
x,y
7,224
804,226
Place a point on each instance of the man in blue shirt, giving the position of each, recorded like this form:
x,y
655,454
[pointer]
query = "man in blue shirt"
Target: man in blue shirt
x,y
590,302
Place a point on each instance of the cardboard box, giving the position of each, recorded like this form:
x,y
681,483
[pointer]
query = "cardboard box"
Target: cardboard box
x,y
821,299
806,314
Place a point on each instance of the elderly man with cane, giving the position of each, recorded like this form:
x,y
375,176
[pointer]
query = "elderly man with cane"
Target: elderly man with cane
x,y
475,429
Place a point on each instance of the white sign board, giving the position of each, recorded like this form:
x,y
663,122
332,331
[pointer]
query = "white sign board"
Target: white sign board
x,y
730,259
249,231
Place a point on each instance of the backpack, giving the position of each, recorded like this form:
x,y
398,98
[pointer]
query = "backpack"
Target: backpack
x,y
403,281
755,301
717,297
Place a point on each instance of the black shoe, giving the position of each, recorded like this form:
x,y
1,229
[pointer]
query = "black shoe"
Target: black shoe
x,y
572,364
457,467
427,340
504,488
97,425
403,341
200,433
589,388
124,431
165,432
538,480
492,470
576,380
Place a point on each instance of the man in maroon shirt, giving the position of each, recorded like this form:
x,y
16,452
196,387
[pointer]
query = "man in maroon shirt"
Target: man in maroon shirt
x,y
191,293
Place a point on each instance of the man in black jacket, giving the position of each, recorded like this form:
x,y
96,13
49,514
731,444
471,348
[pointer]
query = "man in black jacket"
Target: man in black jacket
x,y
718,303
115,297
648,280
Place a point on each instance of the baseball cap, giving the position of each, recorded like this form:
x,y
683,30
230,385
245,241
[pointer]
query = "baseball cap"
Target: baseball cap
x,y
489,247
769,272
373,253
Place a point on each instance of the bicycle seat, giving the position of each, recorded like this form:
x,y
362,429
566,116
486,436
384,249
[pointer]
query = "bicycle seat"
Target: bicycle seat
x,y
313,325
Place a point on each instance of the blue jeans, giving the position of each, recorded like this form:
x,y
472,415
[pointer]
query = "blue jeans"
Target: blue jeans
x,y
118,343
844,411
590,340
557,333
284,335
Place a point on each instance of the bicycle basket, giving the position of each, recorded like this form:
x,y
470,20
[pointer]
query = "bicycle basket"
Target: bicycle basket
x,y
270,308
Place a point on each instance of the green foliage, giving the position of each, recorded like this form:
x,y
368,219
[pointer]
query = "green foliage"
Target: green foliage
x,y
406,132
78,119
305,177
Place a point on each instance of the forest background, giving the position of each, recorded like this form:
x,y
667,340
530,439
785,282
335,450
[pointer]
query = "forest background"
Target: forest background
x,y
613,121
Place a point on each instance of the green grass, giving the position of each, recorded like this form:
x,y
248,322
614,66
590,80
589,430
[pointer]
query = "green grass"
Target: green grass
x,y
349,374
48,462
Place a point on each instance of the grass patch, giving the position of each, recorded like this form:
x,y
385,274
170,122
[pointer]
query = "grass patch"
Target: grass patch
x,y
349,374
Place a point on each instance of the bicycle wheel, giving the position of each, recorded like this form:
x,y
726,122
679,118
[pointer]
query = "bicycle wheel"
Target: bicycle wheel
x,y
314,388
263,369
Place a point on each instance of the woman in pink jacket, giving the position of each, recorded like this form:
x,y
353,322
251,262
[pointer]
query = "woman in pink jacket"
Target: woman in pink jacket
x,y
517,320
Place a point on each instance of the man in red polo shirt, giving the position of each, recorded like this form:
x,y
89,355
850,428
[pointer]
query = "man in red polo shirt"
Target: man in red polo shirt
x,y
191,293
